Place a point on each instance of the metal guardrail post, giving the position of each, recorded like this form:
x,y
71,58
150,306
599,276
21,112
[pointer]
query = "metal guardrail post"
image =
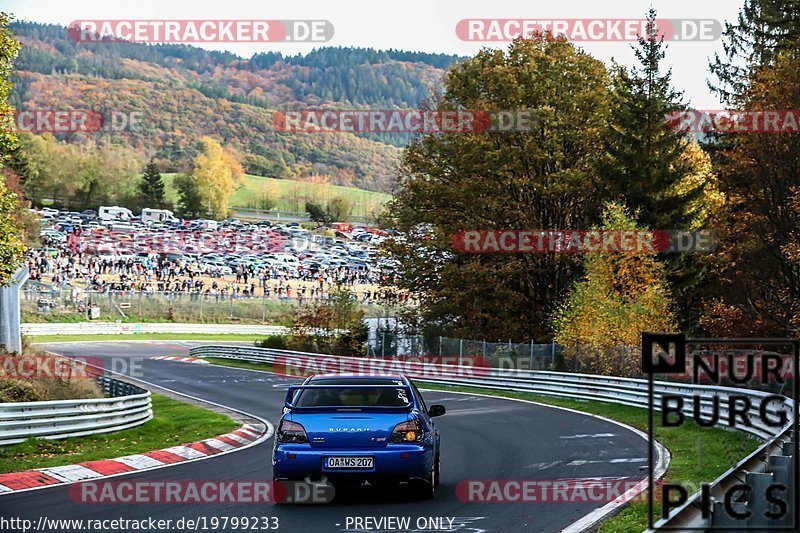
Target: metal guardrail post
x,y
720,518
10,330
782,468
759,483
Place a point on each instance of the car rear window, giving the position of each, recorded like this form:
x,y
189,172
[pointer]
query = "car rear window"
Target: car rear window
x,y
355,397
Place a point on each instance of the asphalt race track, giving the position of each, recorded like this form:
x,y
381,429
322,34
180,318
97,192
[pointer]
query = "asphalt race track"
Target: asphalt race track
x,y
482,439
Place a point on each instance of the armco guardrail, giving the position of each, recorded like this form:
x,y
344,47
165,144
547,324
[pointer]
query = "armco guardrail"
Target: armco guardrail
x,y
625,391
121,328
10,334
128,406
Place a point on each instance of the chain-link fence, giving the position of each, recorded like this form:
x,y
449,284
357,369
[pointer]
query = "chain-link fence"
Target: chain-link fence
x,y
43,302
154,307
386,342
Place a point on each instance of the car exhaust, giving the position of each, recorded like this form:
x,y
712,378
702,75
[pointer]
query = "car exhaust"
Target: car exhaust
x,y
316,479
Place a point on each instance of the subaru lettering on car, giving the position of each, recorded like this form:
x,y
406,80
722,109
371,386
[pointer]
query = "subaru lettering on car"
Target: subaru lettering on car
x,y
356,429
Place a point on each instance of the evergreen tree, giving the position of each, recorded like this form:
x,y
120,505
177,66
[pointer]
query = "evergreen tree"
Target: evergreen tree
x,y
645,160
190,200
651,167
151,187
763,29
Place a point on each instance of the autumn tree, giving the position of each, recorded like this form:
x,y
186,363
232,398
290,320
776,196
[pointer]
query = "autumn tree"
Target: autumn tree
x,y
340,209
757,272
333,326
763,30
151,187
11,244
621,295
75,176
754,287
318,213
542,177
217,173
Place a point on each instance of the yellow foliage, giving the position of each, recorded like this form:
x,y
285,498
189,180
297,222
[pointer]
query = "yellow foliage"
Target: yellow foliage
x,y
621,296
217,173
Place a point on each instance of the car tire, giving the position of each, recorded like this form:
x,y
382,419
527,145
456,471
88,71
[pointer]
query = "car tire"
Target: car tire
x,y
427,487
275,481
437,471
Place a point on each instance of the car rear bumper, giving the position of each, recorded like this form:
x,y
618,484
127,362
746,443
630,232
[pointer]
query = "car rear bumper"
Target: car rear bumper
x,y
394,462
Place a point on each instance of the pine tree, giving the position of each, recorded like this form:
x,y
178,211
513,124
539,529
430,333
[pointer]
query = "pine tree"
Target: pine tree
x,y
151,187
652,168
190,199
763,29
644,162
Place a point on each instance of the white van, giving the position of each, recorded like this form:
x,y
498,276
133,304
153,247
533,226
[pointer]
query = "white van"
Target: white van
x,y
157,215
211,225
114,213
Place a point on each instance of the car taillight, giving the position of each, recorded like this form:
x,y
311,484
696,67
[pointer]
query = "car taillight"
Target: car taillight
x,y
291,432
410,431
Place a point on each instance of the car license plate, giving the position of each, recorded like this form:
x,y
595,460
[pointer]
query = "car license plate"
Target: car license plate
x,y
350,462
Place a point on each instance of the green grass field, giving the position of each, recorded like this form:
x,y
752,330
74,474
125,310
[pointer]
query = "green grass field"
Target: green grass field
x,y
38,339
292,195
173,423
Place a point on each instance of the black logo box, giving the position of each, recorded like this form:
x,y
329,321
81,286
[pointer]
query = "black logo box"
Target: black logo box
x,y
675,343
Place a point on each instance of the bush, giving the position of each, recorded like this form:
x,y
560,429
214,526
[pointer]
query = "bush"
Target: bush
x,y
276,342
17,388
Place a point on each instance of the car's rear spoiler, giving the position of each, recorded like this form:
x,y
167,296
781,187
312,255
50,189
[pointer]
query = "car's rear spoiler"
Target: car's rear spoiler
x,y
294,388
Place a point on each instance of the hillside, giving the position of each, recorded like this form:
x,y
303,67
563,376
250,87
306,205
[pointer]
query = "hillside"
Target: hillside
x,y
291,195
185,92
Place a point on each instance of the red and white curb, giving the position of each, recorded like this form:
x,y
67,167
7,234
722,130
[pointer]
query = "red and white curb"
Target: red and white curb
x,y
246,435
180,359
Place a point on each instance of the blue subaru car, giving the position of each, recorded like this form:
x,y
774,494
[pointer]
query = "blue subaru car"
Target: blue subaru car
x,y
355,429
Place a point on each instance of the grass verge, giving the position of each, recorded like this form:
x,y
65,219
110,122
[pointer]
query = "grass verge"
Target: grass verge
x,y
699,455
38,339
239,364
173,423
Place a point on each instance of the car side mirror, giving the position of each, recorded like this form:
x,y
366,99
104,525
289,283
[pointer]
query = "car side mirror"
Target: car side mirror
x,y
436,410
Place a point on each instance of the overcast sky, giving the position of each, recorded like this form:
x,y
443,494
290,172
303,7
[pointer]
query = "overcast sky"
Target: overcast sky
x,y
419,25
